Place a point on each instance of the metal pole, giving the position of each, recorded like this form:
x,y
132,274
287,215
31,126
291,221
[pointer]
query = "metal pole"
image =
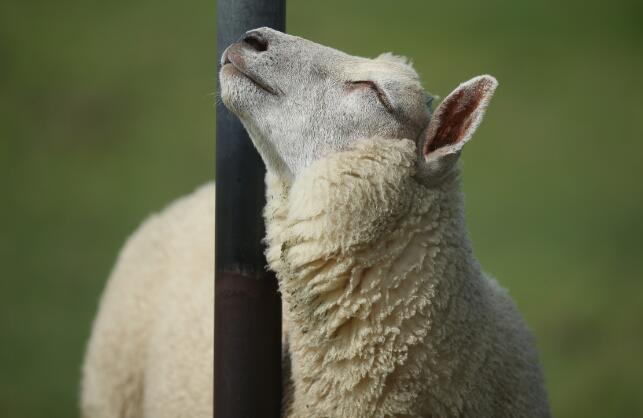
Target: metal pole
x,y
247,337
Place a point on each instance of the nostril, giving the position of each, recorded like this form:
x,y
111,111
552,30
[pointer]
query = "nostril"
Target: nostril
x,y
255,41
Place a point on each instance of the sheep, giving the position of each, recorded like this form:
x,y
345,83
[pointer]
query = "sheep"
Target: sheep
x,y
386,311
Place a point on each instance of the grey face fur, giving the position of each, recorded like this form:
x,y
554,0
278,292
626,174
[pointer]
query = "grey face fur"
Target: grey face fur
x,y
300,101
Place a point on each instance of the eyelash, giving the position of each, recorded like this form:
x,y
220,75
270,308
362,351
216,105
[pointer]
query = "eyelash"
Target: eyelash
x,y
380,95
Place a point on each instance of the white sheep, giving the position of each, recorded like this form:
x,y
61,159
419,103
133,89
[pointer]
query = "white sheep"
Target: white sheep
x,y
386,311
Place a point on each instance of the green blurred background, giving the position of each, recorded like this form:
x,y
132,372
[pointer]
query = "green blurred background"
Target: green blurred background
x,y
107,114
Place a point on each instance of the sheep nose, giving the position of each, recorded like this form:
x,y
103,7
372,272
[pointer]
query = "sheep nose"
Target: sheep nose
x,y
255,41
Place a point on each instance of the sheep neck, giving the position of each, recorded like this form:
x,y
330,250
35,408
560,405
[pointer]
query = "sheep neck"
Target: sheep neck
x,y
366,258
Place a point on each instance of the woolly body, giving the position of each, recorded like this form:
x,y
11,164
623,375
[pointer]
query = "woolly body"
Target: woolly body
x,y
151,350
386,311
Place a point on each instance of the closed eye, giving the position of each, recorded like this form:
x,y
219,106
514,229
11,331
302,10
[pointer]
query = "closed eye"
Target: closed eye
x,y
367,84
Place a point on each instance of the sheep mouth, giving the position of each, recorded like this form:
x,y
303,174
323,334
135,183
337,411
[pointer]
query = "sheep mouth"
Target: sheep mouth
x,y
238,67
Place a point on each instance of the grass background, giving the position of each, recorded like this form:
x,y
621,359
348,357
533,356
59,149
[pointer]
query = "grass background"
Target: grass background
x,y
106,114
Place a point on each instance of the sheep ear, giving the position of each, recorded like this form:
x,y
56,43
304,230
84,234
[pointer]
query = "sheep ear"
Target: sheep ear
x,y
454,122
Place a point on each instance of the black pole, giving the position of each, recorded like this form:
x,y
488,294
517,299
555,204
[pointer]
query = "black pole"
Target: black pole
x,y
247,337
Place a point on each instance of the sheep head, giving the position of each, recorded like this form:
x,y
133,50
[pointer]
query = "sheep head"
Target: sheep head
x,y
301,101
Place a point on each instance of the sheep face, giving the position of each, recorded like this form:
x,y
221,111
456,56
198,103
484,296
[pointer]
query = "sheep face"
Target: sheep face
x,y
301,101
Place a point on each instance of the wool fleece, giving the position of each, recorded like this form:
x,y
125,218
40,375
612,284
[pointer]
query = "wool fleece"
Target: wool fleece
x,y
387,311
152,345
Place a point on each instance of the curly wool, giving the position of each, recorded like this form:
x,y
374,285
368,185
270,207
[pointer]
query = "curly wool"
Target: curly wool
x,y
387,311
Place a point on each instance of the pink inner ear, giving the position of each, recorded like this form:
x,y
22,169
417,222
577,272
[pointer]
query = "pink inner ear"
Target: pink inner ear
x,y
455,116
